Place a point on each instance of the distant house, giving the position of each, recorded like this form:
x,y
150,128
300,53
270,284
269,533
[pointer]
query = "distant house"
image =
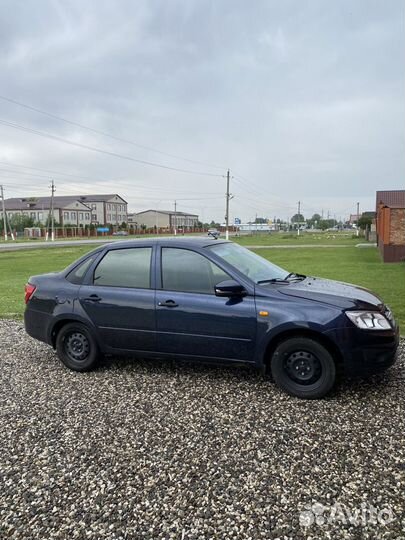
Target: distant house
x,y
354,218
371,215
390,208
106,209
166,219
131,220
67,211
71,210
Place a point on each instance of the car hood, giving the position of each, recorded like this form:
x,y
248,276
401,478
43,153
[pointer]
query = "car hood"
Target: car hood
x,y
337,293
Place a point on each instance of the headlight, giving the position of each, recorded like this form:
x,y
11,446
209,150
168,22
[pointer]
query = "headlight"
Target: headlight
x,y
369,320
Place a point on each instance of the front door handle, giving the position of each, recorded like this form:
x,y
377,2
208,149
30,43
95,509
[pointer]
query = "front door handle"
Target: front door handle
x,y
92,298
168,303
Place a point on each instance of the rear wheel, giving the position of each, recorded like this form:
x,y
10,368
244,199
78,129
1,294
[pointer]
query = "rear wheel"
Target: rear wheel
x,y
76,347
303,368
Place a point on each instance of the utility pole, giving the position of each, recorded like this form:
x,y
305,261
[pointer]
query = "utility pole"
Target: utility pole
x,y
52,215
358,216
228,198
299,212
175,218
4,214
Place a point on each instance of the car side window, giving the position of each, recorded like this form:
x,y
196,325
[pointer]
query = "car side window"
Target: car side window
x,y
188,271
76,275
128,267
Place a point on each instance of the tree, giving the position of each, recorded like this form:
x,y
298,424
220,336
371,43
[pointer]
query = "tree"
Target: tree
x,y
19,222
297,218
314,221
364,222
48,223
261,220
327,224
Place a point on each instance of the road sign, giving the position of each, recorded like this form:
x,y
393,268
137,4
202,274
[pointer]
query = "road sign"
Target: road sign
x,y
237,221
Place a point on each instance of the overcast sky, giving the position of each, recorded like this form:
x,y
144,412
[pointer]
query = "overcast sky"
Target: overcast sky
x,y
301,99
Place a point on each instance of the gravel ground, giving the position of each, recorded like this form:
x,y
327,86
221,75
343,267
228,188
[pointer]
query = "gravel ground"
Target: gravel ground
x,y
156,450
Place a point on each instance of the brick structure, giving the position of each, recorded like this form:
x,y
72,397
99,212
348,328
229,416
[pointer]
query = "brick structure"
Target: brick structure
x,y
391,224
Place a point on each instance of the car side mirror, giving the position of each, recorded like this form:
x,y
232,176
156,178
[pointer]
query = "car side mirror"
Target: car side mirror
x,y
230,288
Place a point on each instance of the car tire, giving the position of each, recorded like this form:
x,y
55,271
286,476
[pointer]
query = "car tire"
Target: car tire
x,y
76,347
303,368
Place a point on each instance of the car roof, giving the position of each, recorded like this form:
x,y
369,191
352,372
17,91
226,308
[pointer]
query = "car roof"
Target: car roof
x,y
182,241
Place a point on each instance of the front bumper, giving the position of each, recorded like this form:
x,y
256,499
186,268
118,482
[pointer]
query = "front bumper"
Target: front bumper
x,y
366,352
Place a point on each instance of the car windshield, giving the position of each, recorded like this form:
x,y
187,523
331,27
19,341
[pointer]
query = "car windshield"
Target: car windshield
x,y
253,266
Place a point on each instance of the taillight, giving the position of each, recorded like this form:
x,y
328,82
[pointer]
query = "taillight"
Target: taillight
x,y
29,291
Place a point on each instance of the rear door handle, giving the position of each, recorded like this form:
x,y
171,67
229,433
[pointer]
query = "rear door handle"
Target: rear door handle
x,y
168,303
92,298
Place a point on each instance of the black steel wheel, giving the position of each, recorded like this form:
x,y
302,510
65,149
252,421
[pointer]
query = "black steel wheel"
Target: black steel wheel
x,y
76,347
303,368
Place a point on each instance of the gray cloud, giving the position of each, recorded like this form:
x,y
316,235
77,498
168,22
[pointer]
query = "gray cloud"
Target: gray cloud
x,y
305,99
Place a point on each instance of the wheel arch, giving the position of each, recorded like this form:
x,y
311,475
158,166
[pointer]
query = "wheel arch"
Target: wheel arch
x,y
60,323
321,338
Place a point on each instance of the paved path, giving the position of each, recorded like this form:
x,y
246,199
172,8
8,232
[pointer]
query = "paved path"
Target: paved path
x,y
15,246
293,246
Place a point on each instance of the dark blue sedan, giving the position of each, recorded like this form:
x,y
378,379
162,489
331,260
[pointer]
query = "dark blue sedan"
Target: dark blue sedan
x,y
210,300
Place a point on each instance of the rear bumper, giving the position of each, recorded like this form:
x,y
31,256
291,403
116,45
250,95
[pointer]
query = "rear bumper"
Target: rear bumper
x,y
37,325
365,353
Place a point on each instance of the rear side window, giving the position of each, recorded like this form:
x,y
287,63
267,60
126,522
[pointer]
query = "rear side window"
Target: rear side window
x,y
124,268
77,274
188,271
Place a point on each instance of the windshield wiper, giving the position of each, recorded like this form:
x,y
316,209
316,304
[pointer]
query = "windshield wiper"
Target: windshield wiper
x,y
298,277
287,279
272,280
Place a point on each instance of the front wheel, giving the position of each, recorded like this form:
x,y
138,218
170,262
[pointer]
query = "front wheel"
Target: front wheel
x,y
76,347
303,367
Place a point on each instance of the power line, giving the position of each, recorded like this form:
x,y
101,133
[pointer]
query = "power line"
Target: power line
x,y
101,151
105,134
261,194
169,198
5,174
12,164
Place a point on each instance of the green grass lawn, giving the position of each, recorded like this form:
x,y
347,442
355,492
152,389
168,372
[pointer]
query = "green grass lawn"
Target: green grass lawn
x,y
17,266
361,266
262,239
